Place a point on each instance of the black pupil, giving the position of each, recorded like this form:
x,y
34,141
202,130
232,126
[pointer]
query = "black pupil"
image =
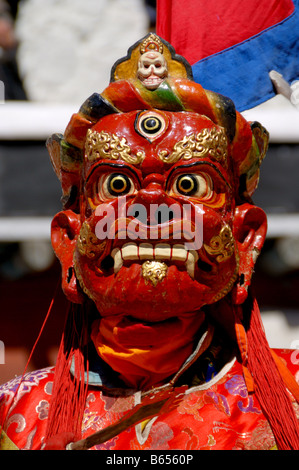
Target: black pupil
x,y
187,184
119,184
151,125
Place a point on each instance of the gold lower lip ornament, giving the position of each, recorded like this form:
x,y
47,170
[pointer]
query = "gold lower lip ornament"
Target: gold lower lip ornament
x,y
154,271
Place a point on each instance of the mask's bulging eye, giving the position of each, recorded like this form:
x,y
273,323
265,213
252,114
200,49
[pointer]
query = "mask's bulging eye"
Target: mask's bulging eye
x,y
113,185
150,125
118,185
194,184
187,184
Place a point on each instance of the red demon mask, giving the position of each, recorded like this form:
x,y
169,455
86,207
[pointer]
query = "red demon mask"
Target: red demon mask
x,y
157,216
158,225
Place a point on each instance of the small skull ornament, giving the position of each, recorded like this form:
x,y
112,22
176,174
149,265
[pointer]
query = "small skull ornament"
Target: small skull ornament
x,y
152,69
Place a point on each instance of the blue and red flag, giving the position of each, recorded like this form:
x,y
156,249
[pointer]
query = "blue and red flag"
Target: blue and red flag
x,y
232,45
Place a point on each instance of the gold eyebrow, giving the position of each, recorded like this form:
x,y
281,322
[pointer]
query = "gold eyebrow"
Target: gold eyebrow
x,y
102,145
211,142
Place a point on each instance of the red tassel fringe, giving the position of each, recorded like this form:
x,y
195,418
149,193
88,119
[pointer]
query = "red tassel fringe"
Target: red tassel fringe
x,y
269,386
69,388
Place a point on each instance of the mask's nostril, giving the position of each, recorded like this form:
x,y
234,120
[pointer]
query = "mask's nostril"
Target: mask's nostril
x,y
140,216
163,214
139,212
151,215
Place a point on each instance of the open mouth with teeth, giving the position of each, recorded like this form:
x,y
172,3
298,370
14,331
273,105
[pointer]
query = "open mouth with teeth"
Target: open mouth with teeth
x,y
152,81
152,277
166,253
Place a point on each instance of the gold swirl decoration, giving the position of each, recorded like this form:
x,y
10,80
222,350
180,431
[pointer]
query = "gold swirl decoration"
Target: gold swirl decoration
x,y
222,246
88,244
211,142
101,145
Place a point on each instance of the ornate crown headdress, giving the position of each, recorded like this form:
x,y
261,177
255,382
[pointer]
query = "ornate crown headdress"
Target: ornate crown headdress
x,y
151,43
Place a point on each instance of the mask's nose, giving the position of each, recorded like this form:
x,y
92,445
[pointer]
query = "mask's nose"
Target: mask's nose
x,y
152,205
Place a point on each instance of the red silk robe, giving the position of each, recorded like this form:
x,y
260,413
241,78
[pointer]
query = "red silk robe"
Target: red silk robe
x,y
218,415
